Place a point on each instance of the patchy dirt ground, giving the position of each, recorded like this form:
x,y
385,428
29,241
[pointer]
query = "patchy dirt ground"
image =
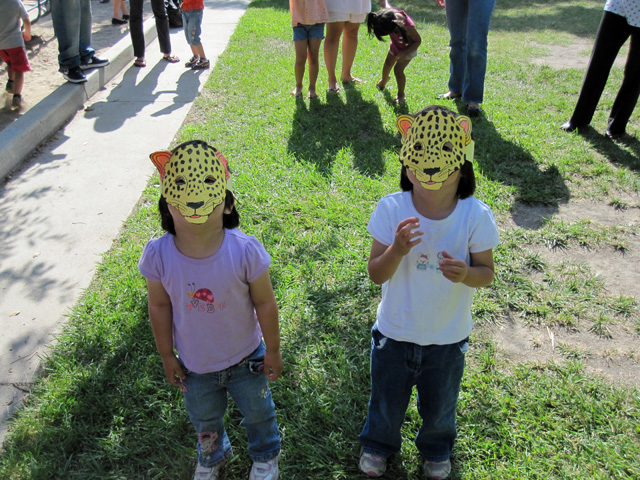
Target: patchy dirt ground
x,y
616,358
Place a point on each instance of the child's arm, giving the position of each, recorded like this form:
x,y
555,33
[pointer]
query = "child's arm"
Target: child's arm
x,y
479,274
414,42
26,31
264,301
161,317
384,259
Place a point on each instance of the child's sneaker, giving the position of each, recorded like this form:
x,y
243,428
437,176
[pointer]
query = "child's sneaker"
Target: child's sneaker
x,y
192,61
373,465
201,64
17,101
437,470
265,470
10,86
208,473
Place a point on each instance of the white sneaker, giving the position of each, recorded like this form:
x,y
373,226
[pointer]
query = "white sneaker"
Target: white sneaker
x,y
265,470
373,465
208,473
437,470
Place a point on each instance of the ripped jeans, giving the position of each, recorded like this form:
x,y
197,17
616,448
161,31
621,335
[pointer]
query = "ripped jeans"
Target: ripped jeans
x,y
192,24
396,367
206,401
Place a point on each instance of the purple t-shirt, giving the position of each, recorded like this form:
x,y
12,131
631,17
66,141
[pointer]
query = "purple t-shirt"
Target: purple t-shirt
x,y
397,40
214,321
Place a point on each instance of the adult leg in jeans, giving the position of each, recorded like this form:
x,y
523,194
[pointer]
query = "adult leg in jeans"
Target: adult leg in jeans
x,y
612,34
66,18
162,25
457,14
627,97
136,28
86,52
478,21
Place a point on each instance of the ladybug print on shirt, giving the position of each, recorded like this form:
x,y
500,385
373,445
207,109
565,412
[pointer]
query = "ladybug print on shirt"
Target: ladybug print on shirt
x,y
202,300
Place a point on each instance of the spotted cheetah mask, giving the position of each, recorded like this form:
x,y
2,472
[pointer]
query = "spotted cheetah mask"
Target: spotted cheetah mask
x,y
194,178
435,144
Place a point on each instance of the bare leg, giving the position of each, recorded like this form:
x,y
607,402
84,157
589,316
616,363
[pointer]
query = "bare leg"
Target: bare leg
x,y
301,59
199,50
389,62
331,45
401,79
349,47
313,52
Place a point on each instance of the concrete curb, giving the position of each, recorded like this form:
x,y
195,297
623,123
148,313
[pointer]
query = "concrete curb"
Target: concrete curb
x,y
23,137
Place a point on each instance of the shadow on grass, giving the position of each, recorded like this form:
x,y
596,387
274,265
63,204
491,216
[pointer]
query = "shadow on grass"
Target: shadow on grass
x,y
345,124
614,150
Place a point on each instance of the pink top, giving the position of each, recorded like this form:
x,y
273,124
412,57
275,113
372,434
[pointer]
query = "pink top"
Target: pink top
x,y
397,41
308,12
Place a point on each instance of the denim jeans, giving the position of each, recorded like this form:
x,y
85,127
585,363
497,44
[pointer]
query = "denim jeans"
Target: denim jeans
x,y
468,22
612,34
396,367
136,27
192,24
72,26
206,401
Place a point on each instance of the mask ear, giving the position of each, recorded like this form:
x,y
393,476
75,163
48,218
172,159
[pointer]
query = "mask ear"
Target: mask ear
x,y
224,163
160,160
403,123
465,123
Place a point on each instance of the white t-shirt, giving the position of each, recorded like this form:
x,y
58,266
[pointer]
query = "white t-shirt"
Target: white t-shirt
x,y
418,304
629,9
12,12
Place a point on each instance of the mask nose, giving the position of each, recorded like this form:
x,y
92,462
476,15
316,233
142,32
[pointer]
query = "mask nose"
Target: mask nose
x,y
195,205
431,171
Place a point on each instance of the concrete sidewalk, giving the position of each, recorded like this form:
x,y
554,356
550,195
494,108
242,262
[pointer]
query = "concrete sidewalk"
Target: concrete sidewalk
x,y
61,212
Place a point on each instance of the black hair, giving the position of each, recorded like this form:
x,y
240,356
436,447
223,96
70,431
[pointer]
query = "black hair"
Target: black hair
x,y
229,220
382,23
467,184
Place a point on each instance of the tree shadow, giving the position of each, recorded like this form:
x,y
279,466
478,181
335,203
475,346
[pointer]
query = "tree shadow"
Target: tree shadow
x,y
345,122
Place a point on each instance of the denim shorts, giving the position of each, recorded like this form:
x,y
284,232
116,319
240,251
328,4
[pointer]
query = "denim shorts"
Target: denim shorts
x,y
305,32
192,22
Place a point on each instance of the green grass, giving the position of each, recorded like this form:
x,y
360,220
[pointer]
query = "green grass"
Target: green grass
x,y
307,176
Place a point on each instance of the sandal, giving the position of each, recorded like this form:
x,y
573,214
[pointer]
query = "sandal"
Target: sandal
x,y
139,63
171,59
333,90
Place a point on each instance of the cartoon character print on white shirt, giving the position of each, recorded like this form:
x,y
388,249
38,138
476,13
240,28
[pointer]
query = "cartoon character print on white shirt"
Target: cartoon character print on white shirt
x,y
422,262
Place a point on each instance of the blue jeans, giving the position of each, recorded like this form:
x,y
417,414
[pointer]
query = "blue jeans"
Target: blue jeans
x,y
468,22
72,26
206,402
192,24
396,367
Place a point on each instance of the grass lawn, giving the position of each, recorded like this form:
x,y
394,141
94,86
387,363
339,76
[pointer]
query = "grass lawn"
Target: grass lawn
x,y
307,175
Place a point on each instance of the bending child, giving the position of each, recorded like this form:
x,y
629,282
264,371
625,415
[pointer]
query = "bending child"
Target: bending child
x,y
405,41
12,49
192,11
432,247
211,299
308,18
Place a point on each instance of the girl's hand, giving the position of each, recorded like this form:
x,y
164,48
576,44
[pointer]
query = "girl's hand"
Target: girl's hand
x,y
453,269
407,236
439,3
273,364
173,371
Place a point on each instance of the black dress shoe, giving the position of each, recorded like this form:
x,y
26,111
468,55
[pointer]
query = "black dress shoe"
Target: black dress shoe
x,y
613,136
570,127
117,21
125,17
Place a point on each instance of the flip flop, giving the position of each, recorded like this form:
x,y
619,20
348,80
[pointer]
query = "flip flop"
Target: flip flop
x,y
315,95
353,80
139,63
333,90
171,59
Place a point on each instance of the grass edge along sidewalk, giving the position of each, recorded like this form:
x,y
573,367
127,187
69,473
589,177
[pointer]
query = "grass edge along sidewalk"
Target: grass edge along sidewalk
x,y
307,175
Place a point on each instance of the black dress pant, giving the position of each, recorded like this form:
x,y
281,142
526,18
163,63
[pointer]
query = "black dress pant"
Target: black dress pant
x,y
137,30
612,33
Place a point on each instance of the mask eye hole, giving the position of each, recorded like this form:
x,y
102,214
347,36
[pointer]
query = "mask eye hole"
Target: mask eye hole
x,y
417,146
180,182
448,147
210,180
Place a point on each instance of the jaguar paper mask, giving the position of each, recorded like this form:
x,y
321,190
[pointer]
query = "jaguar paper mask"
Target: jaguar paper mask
x,y
435,144
194,178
